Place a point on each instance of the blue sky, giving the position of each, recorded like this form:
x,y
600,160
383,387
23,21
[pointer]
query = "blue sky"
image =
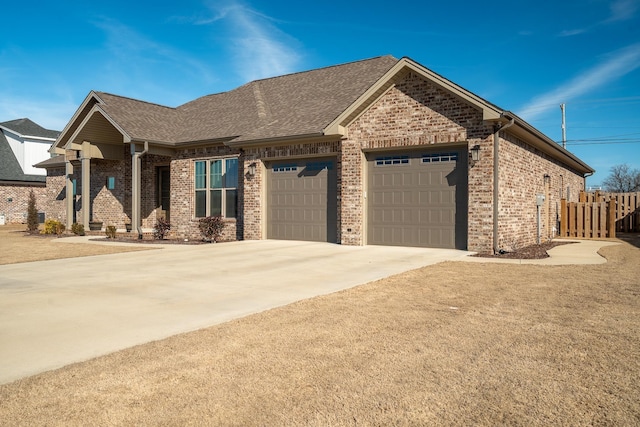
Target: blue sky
x,y
527,56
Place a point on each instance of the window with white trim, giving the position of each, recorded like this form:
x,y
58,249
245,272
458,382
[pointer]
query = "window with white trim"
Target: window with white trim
x,y
439,157
392,160
216,187
285,168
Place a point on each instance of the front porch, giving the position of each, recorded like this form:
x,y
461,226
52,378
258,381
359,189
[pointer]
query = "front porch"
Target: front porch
x,y
112,179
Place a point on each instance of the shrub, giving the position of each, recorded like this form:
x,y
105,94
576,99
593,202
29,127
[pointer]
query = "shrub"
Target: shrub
x,y
52,226
77,229
161,228
211,227
110,231
32,214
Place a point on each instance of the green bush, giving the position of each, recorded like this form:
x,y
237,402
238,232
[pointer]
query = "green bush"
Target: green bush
x,y
53,226
211,227
161,228
110,231
77,229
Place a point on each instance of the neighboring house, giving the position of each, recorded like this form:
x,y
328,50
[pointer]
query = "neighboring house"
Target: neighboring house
x,y
377,151
23,143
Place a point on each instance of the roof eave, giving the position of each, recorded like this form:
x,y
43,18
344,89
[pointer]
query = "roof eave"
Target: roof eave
x,y
60,141
286,140
25,136
547,145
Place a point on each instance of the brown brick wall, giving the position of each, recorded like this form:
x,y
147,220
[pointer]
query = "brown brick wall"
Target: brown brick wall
x,y
55,206
183,220
14,201
522,170
255,188
414,113
418,113
252,199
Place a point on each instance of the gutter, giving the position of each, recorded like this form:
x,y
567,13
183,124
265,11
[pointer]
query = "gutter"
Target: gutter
x,y
496,182
586,175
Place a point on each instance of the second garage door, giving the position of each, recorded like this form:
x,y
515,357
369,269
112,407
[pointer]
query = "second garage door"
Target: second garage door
x,y
417,199
302,200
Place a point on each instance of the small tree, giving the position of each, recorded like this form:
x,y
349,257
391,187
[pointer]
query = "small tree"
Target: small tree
x,y
32,214
622,179
211,227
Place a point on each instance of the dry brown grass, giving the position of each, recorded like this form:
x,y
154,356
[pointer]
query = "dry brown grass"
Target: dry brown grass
x,y
449,344
17,246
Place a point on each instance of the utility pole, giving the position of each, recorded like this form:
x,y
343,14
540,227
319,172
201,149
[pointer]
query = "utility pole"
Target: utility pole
x,y
564,128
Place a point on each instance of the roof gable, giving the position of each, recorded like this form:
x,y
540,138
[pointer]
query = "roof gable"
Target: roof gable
x,y
27,128
10,169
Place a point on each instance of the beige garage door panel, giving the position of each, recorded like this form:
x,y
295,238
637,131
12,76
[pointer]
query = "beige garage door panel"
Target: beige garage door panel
x,y
418,199
302,202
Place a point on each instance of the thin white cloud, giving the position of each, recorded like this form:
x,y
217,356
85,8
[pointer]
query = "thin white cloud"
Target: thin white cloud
x,y
569,33
259,48
613,67
133,49
620,10
48,114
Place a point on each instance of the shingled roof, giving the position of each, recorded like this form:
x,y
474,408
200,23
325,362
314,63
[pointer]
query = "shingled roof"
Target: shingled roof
x,y
294,104
26,127
10,169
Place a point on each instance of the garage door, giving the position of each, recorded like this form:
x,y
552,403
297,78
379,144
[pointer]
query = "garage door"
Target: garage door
x,y
417,199
302,200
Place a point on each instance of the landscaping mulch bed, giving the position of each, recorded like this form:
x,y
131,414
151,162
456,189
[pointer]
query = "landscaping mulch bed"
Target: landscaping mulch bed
x,y
538,251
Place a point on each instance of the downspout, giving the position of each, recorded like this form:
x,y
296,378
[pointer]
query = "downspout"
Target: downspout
x,y
496,182
586,175
136,165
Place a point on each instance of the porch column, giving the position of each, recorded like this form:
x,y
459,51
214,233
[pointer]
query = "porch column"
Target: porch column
x,y
85,160
68,171
136,178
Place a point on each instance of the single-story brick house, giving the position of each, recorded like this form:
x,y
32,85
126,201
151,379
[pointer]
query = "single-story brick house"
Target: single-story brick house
x,y
23,143
379,151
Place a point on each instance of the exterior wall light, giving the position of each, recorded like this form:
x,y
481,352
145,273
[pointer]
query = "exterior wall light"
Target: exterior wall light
x,y
475,153
547,179
251,170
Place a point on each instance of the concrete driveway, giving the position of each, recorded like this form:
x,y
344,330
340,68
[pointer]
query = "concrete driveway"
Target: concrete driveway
x,y
54,313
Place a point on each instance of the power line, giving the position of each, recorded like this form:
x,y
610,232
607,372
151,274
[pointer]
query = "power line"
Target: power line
x,y
578,142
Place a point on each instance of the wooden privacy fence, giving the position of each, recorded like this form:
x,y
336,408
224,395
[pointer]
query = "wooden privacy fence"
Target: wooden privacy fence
x,y
599,215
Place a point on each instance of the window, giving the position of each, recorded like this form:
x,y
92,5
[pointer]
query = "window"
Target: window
x,y
111,182
216,183
285,168
392,160
441,157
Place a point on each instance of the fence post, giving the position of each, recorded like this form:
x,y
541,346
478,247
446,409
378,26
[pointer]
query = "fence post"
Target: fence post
x,y
611,216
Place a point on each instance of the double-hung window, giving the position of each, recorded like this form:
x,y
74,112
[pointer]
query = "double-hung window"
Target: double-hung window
x,y
216,187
